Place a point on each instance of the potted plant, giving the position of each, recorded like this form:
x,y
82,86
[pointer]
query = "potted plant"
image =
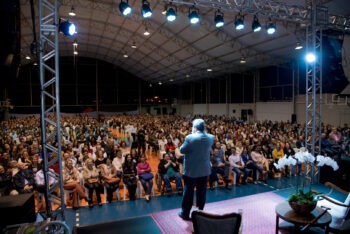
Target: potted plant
x,y
304,202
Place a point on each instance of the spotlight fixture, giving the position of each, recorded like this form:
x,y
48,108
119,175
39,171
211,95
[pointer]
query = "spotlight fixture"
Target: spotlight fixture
x,y
242,60
256,26
298,46
271,27
219,19
160,83
239,22
75,43
125,55
124,7
193,15
67,28
75,52
28,57
209,70
310,57
171,13
72,12
146,9
133,45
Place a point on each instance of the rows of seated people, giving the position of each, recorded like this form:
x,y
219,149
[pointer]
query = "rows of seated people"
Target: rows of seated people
x,y
93,157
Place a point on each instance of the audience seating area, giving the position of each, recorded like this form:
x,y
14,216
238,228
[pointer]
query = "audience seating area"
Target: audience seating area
x,y
21,143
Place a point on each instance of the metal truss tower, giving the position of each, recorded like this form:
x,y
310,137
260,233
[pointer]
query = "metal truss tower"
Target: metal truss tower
x,y
313,79
50,107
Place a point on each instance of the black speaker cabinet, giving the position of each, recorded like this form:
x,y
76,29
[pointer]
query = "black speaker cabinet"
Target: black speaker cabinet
x,y
17,209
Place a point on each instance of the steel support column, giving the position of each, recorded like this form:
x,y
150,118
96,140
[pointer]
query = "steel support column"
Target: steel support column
x,y
50,107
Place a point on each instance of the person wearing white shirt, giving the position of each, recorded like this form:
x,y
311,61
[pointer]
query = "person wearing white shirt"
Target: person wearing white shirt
x,y
238,166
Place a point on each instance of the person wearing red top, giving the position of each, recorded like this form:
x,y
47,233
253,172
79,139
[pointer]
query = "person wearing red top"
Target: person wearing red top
x,y
170,146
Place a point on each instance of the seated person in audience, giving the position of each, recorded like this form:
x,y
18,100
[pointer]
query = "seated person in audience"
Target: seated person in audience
x,y
91,176
109,178
238,166
5,181
129,176
260,161
118,162
289,152
35,163
169,170
219,165
100,159
25,158
71,181
24,179
145,176
40,180
40,185
170,146
250,164
266,151
135,155
277,154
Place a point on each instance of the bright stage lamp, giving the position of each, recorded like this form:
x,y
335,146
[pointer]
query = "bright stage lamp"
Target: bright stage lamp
x,y
193,15
67,28
146,9
219,19
125,8
171,14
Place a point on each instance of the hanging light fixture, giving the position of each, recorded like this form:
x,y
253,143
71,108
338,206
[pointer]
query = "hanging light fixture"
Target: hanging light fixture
x,y
239,22
124,7
242,60
67,28
256,26
75,47
193,15
270,27
72,12
171,13
146,9
219,19
298,46
146,33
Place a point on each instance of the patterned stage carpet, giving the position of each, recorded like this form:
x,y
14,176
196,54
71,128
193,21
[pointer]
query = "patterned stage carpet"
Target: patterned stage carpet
x,y
258,214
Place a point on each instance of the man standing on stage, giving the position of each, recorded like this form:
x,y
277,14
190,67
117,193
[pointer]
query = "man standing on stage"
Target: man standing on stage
x,y
196,167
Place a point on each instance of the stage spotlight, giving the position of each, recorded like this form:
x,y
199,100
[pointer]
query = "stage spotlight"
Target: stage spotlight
x,y
146,9
193,15
256,26
271,27
171,14
239,22
67,28
125,8
310,57
219,19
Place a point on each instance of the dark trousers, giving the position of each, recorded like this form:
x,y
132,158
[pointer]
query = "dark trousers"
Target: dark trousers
x,y
93,187
188,193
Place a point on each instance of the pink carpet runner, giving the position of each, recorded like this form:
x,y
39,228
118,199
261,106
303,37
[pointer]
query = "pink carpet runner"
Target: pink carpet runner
x,y
258,214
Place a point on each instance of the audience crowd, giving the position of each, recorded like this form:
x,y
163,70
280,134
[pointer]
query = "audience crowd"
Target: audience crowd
x,y
94,158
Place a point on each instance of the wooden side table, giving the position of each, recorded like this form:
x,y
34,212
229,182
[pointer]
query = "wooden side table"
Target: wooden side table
x,y
285,212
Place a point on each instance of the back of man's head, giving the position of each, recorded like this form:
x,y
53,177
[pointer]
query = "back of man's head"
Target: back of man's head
x,y
199,124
